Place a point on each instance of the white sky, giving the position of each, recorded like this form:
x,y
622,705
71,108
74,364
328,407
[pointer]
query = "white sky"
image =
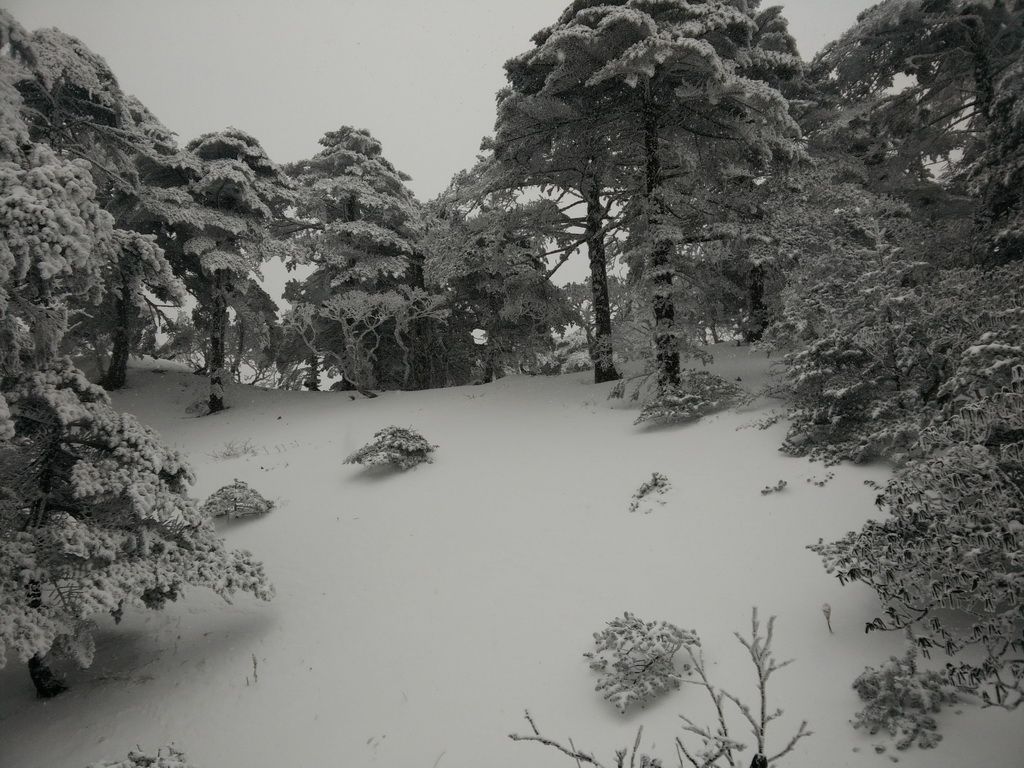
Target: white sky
x,y
419,74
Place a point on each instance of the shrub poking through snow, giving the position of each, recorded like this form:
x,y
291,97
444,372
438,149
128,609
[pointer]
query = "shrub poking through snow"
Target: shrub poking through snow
x,y
719,747
698,394
237,500
394,446
900,700
634,659
658,484
167,757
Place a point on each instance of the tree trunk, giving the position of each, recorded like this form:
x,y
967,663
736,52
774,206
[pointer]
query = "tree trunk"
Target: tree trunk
x,y
419,333
757,312
660,269
312,381
218,332
601,348
236,364
117,370
47,684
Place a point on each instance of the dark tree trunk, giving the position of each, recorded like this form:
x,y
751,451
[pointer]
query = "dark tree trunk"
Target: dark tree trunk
x,y
218,331
47,684
117,370
757,312
601,348
665,343
236,364
312,381
419,333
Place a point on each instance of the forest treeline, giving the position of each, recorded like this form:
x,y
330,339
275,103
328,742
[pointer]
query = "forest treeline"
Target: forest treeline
x,y
861,215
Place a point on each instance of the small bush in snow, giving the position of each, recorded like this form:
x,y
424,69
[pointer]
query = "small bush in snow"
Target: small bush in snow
x,y
394,446
236,500
634,658
900,700
233,449
698,394
657,484
172,759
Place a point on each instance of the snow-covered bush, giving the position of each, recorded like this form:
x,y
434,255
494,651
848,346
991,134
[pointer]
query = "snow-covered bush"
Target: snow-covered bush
x,y
172,759
236,500
393,446
887,347
698,394
947,562
634,659
900,700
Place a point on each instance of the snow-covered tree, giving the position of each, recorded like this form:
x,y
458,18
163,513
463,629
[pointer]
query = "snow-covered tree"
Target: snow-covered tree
x,y
487,250
219,215
922,77
684,115
93,511
358,225
73,103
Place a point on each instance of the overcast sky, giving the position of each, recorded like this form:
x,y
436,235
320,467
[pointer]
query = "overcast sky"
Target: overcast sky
x,y
419,74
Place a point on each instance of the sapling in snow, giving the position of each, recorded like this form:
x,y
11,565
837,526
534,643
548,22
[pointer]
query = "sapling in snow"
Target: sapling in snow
x,y
392,446
634,659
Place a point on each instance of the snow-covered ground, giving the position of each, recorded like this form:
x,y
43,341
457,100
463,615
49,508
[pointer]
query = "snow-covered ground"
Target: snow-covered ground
x,y
418,614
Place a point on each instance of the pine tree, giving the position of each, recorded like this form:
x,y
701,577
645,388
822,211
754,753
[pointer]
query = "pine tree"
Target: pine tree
x,y
218,224
74,104
358,225
487,250
687,118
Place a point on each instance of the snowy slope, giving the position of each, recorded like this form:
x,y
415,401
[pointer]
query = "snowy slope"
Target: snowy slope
x,y
418,614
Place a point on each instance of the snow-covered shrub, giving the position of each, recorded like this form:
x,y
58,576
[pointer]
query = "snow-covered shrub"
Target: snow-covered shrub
x,y
900,700
657,484
698,394
168,757
634,659
886,348
947,562
236,500
399,447
719,747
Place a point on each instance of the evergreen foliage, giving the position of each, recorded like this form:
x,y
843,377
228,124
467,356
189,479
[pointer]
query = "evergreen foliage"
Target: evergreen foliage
x,y
399,447
95,519
954,540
